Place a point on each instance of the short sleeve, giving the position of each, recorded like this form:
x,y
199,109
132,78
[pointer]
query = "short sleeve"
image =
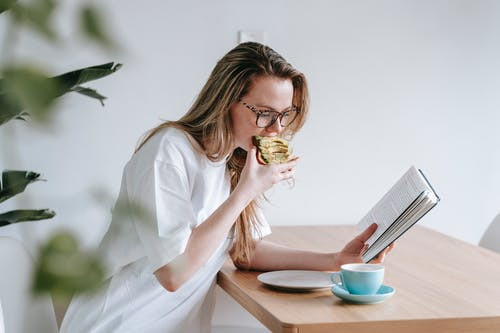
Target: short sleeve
x,y
164,194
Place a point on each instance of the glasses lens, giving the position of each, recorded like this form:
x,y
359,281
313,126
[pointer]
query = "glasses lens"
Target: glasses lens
x,y
288,117
265,119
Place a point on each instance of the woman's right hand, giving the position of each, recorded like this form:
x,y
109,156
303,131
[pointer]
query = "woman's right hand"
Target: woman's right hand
x,y
256,178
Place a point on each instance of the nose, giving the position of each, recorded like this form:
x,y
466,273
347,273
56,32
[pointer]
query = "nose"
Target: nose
x,y
275,127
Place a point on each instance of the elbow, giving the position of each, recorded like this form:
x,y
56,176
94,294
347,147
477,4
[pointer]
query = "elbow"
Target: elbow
x,y
242,264
171,286
168,280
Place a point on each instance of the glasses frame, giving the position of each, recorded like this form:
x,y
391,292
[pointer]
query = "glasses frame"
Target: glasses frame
x,y
275,114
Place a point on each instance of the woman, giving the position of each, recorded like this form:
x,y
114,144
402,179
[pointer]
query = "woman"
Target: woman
x,y
198,179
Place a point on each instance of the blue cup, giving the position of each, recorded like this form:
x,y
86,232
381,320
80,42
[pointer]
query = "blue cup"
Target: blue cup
x,y
360,279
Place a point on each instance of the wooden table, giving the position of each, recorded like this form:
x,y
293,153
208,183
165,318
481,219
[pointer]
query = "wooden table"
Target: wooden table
x,y
442,285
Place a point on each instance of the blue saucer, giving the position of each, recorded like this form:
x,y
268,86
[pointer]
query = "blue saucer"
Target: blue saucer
x,y
382,294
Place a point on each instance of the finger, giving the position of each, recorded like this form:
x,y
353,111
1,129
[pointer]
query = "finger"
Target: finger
x,y
363,237
390,247
281,169
385,251
380,257
290,165
252,156
287,174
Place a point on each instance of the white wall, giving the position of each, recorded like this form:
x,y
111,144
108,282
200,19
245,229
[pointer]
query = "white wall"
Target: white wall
x,y
393,83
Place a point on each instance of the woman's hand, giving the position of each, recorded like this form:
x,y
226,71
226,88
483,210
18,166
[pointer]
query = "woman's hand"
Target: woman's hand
x,y
256,178
351,253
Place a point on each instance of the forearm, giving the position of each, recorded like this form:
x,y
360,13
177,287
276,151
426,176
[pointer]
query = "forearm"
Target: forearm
x,y
203,242
269,256
205,238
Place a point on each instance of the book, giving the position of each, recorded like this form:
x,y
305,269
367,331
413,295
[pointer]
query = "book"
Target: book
x,y
407,201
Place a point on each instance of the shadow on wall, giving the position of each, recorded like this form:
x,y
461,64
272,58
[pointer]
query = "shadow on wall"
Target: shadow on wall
x,y
491,237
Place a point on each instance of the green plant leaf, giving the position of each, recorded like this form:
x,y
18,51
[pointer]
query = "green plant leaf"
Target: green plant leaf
x,y
90,93
6,5
15,181
24,215
91,24
70,80
62,269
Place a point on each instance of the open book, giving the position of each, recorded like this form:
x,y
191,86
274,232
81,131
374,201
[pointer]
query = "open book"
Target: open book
x,y
399,209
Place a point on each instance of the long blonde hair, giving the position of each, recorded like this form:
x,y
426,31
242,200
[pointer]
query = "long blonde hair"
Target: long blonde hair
x,y
209,123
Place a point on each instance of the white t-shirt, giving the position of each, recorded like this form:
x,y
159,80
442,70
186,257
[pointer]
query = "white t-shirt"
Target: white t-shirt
x,y
178,188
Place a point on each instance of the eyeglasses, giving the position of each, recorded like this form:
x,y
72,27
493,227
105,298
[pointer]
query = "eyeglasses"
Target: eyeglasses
x,y
266,118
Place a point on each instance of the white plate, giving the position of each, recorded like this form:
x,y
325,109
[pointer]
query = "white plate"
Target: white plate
x,y
296,280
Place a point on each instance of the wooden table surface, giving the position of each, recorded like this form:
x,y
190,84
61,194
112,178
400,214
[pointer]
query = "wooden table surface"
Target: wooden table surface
x,y
442,285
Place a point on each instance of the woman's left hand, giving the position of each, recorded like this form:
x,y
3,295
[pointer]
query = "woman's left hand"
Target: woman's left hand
x,y
351,253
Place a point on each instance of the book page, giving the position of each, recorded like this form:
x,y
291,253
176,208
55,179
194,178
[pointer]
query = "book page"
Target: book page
x,y
394,202
417,209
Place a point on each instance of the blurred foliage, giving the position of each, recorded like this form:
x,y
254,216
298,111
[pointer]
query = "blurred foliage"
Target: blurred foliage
x,y
28,90
23,88
91,26
37,15
64,270
6,4
123,209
